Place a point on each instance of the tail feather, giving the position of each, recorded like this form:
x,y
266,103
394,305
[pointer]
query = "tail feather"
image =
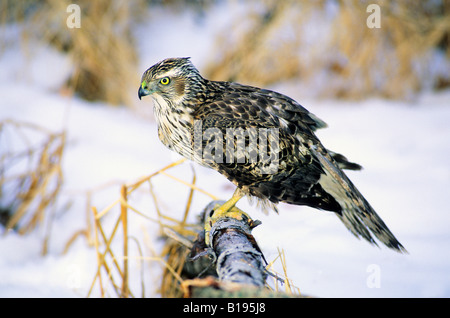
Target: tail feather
x,y
357,214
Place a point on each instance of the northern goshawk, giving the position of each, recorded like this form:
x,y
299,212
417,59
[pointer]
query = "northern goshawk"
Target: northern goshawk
x,y
262,141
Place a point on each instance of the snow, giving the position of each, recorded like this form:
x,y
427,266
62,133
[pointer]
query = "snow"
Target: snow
x,y
403,146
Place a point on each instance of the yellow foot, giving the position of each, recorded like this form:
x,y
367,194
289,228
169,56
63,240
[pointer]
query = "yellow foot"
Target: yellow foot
x,y
228,209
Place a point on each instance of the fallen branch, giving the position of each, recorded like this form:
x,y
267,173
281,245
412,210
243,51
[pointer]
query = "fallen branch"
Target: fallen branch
x,y
233,251
239,259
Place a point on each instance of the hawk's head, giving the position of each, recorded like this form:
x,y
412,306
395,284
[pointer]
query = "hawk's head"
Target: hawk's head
x,y
172,79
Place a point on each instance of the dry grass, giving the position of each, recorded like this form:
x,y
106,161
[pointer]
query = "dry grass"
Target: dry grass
x,y
280,279
257,55
36,188
102,49
112,268
30,174
266,46
385,60
350,60
112,274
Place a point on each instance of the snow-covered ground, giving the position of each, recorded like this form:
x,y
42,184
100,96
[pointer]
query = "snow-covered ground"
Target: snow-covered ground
x,y
403,146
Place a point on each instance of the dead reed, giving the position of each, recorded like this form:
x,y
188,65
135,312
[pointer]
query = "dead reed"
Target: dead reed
x,y
326,45
102,49
345,58
30,194
114,264
30,174
112,274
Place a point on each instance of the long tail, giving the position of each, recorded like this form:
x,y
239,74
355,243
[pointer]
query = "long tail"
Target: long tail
x,y
357,214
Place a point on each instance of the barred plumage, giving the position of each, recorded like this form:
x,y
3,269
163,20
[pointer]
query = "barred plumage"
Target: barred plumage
x,y
202,120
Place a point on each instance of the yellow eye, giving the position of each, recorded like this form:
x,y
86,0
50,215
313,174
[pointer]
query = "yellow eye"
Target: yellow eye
x,y
165,80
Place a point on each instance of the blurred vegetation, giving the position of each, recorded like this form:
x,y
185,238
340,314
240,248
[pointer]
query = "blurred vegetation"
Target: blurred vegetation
x,y
102,50
349,59
325,42
30,176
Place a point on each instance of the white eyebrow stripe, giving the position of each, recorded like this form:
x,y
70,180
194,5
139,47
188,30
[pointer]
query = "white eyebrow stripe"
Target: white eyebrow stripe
x,y
169,73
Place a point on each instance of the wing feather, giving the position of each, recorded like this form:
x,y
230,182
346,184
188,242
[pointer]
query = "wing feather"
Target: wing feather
x,y
308,174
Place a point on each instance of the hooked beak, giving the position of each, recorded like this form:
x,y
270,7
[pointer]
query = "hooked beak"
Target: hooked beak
x,y
143,92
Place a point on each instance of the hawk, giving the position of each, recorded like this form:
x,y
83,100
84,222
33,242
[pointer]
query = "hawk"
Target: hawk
x,y
262,141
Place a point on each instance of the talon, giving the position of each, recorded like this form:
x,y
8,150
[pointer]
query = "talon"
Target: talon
x,y
227,209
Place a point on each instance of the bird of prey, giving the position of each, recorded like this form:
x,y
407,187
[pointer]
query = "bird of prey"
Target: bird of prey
x,y
262,141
